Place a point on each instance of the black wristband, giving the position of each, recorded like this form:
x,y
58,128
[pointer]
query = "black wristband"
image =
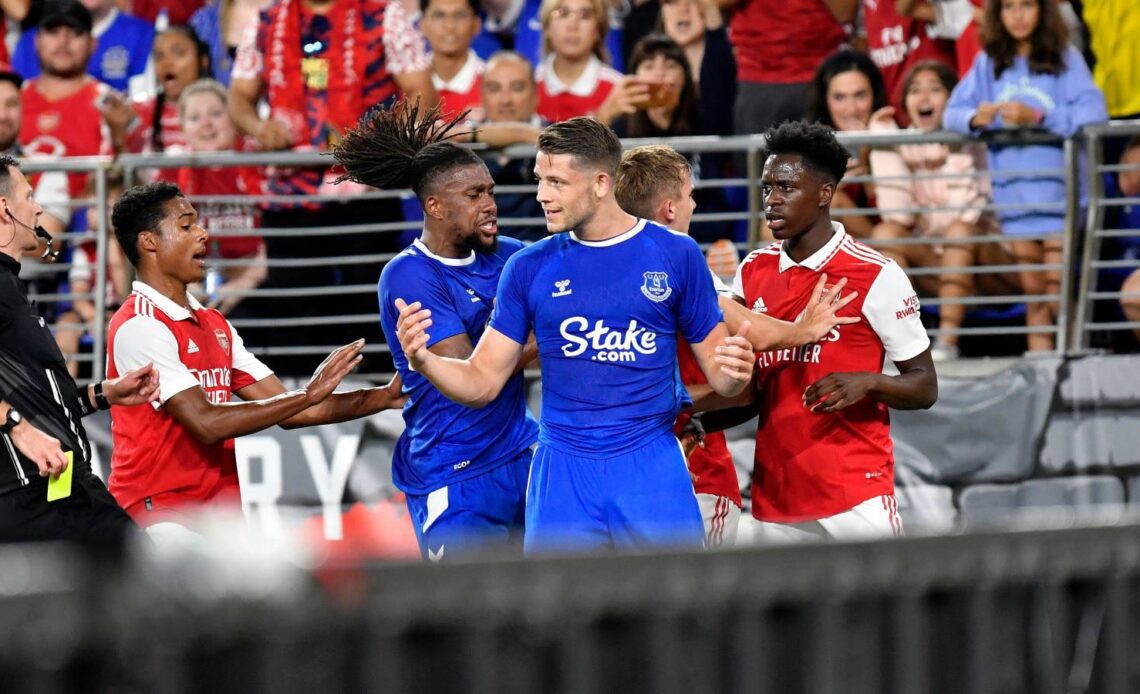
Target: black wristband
x,y
85,402
101,402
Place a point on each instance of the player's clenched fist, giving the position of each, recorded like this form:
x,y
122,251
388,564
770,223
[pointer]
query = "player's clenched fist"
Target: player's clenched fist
x,y
735,356
411,328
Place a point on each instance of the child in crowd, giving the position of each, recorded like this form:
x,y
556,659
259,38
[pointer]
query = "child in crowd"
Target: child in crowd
x,y
1028,76
946,179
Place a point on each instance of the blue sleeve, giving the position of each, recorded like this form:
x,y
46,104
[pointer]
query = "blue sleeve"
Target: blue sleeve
x,y
1081,102
970,93
418,281
24,60
144,44
512,313
698,311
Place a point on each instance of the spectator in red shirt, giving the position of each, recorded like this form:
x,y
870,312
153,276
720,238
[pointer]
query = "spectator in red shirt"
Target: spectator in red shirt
x,y
896,42
456,72
779,44
575,77
176,11
61,115
846,91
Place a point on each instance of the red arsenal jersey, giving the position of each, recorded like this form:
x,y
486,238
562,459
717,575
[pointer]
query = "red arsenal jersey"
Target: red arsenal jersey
x,y
782,41
712,464
157,464
558,101
896,43
68,127
811,466
461,92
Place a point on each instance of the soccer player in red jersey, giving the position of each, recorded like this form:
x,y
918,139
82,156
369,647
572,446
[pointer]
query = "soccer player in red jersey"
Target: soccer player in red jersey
x,y
178,455
656,182
824,459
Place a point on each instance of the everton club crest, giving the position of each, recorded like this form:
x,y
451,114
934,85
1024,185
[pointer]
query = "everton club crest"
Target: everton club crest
x,y
656,286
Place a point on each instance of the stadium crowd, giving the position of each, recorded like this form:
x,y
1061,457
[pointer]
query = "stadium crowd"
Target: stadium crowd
x,y
115,76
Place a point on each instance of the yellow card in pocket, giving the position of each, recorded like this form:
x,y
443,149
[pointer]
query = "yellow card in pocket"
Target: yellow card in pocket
x,y
59,486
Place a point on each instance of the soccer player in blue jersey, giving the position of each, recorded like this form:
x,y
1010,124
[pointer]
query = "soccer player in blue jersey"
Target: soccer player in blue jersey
x,y
464,471
606,297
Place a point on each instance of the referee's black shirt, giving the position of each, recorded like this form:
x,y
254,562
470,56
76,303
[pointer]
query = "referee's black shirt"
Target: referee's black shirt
x,y
34,380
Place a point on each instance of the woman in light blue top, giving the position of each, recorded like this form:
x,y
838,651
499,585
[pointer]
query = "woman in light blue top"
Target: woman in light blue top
x,y
1028,76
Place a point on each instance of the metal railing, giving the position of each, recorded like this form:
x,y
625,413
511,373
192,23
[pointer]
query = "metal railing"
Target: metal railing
x,y
1072,328
1090,295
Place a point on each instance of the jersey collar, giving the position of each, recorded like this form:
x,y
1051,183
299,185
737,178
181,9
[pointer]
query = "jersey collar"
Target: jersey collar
x,y
818,259
613,241
585,85
171,309
464,80
454,262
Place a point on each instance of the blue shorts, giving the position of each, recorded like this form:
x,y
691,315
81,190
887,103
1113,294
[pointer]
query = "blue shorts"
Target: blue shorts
x,y
641,499
481,513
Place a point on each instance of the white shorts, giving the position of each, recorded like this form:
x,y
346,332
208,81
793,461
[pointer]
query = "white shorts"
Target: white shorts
x,y
874,519
722,518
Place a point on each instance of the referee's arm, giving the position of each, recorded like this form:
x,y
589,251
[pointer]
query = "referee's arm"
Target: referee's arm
x,y
43,450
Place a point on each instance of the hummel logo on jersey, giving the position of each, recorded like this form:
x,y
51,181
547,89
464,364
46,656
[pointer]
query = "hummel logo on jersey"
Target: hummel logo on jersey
x,y
473,297
191,348
759,306
435,556
563,287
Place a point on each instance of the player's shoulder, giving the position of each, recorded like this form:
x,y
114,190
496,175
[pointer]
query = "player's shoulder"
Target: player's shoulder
x,y
852,255
136,319
762,256
509,246
661,234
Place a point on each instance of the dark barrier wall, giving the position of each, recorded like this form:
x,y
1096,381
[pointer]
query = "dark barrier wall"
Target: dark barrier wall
x,y
1034,612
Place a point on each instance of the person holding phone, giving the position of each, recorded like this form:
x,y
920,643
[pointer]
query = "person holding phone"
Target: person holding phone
x,y
671,108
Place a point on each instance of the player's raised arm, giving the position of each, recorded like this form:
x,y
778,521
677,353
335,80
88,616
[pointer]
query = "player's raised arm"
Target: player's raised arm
x,y
817,319
475,381
212,423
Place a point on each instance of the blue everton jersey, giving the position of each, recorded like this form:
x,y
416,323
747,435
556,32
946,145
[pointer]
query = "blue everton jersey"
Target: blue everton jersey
x,y
606,316
445,442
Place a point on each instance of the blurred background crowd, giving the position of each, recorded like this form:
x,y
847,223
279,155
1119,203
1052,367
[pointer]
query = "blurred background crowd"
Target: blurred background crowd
x,y
167,78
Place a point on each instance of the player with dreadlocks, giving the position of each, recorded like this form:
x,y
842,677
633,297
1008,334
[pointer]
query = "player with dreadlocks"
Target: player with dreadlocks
x,y
464,471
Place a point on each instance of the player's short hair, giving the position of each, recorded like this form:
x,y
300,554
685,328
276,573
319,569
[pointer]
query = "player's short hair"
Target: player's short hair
x,y
7,163
815,143
588,141
140,209
402,147
648,174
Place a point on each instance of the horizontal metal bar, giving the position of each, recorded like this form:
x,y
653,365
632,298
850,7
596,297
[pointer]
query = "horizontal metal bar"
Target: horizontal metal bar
x,y
984,269
989,300
997,330
298,322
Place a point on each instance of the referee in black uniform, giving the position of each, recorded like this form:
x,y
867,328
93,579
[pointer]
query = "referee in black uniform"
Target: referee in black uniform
x,y
41,406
